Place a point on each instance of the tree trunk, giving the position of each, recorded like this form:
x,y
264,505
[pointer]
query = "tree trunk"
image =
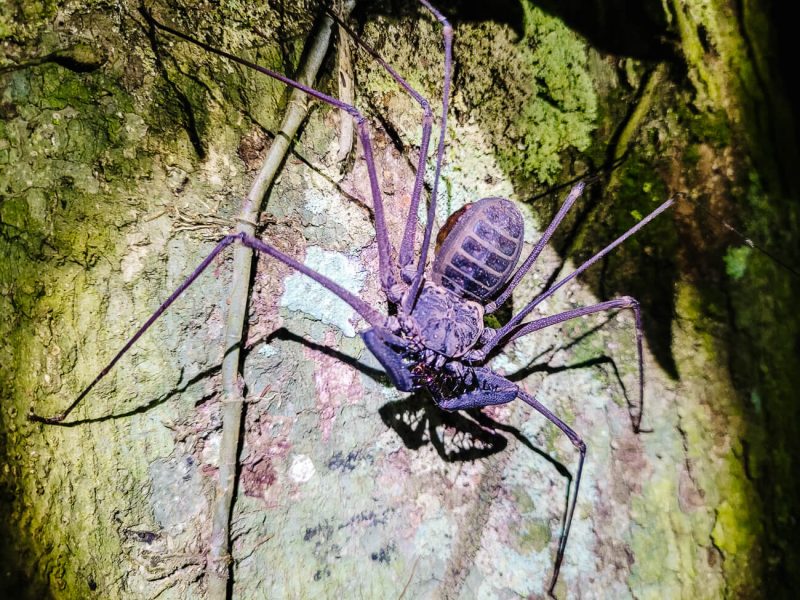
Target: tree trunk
x,y
124,155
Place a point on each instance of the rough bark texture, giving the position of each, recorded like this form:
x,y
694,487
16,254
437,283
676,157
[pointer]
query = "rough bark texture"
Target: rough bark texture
x,y
122,155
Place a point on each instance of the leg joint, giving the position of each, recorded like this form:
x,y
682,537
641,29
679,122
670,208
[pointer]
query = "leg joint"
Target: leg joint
x,y
631,301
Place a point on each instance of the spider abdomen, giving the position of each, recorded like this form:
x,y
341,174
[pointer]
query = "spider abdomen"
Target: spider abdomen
x,y
478,248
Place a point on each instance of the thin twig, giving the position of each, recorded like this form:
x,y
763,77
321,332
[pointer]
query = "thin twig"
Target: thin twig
x,y
346,91
219,558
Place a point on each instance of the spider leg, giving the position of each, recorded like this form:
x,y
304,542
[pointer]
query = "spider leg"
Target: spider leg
x,y
489,389
624,302
581,446
373,317
405,256
388,270
447,34
369,314
390,351
504,331
573,195
494,389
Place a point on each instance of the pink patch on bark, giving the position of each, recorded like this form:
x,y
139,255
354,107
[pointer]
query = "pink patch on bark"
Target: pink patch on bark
x,y
268,286
336,384
396,184
257,477
267,444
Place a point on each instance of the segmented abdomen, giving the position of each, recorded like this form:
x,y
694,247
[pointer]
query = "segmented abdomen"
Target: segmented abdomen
x,y
478,247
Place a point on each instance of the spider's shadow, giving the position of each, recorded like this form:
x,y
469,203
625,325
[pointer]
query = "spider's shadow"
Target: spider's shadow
x,y
457,436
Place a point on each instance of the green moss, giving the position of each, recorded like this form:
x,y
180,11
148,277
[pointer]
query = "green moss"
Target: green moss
x,y
688,20
561,112
653,566
20,19
691,155
522,500
548,104
738,530
77,161
690,305
632,124
585,346
712,127
492,321
733,534
736,261
534,536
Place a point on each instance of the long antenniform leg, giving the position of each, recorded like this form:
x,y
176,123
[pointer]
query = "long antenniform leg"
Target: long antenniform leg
x,y
503,333
407,244
388,269
447,33
369,314
405,257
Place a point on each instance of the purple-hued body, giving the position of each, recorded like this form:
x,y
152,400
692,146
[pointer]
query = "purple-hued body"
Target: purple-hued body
x,y
482,245
477,250
445,323
437,340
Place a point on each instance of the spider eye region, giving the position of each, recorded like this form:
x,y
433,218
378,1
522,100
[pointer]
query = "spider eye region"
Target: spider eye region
x,y
447,324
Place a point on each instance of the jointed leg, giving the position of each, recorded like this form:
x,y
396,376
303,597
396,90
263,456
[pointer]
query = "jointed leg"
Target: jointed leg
x,y
447,33
624,302
405,258
369,314
407,246
515,321
373,317
388,270
491,389
574,194
581,446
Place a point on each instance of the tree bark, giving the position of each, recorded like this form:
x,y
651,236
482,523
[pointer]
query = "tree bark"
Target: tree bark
x,y
124,154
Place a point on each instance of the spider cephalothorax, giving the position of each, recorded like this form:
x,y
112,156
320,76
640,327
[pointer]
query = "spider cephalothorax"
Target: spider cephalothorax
x,y
476,252
436,340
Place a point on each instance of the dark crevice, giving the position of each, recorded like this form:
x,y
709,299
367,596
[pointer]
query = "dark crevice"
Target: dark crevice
x,y
613,150
78,59
188,120
392,133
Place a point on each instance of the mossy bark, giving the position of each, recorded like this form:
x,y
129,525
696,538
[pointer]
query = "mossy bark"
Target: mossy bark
x,y
124,154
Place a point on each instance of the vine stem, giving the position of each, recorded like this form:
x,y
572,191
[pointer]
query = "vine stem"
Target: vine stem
x,y
219,557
